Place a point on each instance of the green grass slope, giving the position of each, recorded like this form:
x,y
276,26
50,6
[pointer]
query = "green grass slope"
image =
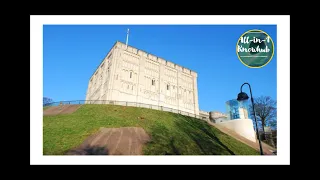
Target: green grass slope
x,y
171,133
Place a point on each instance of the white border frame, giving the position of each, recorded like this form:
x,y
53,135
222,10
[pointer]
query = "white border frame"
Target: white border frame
x,y
283,88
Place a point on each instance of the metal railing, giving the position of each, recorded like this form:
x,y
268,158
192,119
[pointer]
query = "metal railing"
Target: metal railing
x,y
126,103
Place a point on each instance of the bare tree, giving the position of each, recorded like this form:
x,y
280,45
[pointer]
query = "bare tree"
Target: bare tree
x,y
266,111
46,100
273,124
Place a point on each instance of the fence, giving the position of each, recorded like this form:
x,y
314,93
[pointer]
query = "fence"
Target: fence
x,y
125,103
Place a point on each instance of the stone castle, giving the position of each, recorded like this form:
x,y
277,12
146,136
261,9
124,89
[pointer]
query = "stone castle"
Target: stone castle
x,y
133,75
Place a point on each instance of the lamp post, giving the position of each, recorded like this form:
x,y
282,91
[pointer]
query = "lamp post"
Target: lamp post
x,y
243,96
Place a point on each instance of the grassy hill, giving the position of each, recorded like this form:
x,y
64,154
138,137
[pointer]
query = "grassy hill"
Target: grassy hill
x,y
171,133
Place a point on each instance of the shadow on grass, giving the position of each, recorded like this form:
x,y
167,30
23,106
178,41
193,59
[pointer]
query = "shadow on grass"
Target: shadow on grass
x,y
185,136
174,149
89,150
162,142
203,136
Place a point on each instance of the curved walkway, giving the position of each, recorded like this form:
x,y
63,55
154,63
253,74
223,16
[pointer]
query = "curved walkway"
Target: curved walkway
x,y
267,150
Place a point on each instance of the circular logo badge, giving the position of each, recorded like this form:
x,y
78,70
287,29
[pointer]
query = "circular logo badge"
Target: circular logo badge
x,y
255,48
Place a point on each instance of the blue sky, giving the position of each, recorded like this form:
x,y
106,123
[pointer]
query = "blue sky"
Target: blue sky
x,y
71,53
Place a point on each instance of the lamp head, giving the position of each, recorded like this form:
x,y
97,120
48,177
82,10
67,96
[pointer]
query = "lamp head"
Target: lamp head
x,y
242,96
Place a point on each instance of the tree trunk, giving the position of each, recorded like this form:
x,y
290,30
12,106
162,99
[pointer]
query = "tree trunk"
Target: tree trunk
x,y
263,131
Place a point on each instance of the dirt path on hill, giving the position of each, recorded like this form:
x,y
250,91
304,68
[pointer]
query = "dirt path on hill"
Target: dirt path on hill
x,y
63,109
113,141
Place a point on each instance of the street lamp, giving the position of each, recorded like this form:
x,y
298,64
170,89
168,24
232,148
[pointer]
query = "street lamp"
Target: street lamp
x,y
243,96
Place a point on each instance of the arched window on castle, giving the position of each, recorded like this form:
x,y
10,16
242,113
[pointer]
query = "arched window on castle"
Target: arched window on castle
x,y
130,74
168,86
153,82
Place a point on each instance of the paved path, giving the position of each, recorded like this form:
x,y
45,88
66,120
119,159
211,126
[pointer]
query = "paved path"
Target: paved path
x,y
61,109
113,141
267,150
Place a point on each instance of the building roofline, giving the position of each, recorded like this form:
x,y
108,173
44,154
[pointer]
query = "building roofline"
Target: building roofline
x,y
158,57
138,50
103,60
